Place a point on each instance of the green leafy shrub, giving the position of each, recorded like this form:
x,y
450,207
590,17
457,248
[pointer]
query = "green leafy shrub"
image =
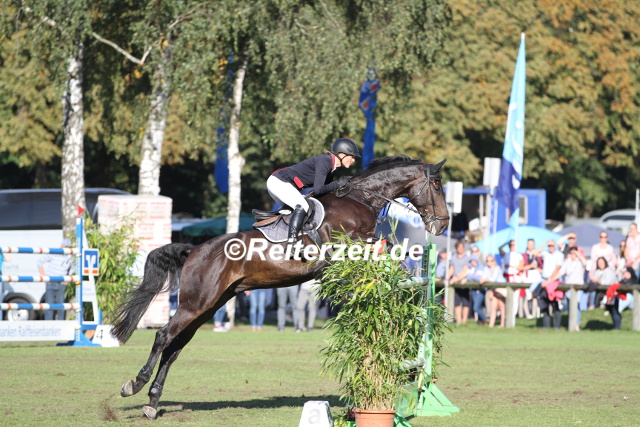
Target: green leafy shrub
x,y
118,251
379,325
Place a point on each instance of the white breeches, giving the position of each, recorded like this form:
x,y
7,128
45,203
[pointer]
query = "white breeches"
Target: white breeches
x,y
285,193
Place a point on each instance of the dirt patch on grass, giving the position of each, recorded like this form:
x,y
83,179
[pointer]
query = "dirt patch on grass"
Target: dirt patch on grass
x,y
108,414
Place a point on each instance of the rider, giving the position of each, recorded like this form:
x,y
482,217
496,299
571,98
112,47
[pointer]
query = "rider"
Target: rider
x,y
284,185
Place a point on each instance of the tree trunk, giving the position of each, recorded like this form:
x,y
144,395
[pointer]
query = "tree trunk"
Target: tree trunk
x,y
571,209
72,150
236,161
151,150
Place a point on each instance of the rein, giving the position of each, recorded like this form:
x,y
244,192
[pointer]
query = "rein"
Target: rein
x,y
426,217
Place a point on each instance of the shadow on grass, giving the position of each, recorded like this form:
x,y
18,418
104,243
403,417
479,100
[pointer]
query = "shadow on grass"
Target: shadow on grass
x,y
590,325
272,402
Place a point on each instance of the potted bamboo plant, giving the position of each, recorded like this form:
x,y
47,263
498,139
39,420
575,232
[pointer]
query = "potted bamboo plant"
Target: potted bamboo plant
x,y
379,326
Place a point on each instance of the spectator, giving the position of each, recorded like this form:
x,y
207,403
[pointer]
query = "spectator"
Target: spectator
x,y
513,262
257,305
55,265
552,260
602,249
441,266
603,275
458,268
573,271
550,302
4,258
513,268
494,274
619,299
632,250
307,297
289,294
476,251
474,274
531,273
218,318
622,267
572,242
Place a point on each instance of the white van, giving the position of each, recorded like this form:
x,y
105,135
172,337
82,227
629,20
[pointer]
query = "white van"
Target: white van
x,y
618,220
33,218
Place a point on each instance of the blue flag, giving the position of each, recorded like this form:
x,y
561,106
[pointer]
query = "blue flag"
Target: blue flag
x,y
221,168
513,153
368,104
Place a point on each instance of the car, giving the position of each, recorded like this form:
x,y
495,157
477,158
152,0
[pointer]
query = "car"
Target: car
x,y
618,220
33,218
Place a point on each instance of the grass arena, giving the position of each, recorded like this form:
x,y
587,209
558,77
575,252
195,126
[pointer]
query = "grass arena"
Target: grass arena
x,y
523,376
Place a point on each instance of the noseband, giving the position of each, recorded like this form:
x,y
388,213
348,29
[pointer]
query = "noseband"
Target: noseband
x,y
427,218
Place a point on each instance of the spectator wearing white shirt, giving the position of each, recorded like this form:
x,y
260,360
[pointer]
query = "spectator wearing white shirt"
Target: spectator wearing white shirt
x,y
573,271
602,249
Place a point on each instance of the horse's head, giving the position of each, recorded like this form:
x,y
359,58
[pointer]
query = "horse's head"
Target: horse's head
x,y
391,177
427,196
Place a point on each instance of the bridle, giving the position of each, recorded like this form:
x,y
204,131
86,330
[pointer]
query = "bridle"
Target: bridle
x,y
426,217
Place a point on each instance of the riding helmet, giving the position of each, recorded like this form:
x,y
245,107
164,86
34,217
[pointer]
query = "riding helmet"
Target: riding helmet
x,y
346,146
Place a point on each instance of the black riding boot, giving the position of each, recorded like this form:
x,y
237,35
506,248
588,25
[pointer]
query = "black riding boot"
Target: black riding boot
x,y
295,224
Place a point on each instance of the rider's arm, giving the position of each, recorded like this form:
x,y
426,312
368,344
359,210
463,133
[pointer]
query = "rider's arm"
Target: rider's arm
x,y
323,169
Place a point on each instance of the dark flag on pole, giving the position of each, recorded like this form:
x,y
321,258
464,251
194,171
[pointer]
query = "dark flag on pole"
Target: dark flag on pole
x,y
221,168
368,103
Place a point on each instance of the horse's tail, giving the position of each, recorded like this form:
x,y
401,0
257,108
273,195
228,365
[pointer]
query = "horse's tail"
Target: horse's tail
x,y
161,272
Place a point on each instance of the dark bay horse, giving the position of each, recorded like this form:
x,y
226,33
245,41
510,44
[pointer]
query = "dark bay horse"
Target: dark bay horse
x,y
207,278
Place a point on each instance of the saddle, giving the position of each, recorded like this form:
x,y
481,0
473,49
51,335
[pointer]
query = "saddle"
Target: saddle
x,y
274,225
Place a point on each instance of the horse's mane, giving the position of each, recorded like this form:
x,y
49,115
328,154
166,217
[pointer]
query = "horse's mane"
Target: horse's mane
x,y
386,163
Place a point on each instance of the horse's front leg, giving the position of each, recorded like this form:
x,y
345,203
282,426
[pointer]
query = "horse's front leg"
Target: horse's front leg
x,y
131,387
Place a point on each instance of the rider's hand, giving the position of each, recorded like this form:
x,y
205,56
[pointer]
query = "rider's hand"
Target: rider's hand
x,y
343,181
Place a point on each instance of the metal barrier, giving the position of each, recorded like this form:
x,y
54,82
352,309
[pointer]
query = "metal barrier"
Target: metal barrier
x,y
60,330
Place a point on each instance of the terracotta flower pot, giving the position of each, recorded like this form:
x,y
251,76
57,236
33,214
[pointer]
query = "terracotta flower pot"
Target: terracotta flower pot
x,y
372,418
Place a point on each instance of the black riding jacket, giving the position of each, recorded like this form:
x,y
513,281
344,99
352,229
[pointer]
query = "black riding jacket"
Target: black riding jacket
x,y
316,171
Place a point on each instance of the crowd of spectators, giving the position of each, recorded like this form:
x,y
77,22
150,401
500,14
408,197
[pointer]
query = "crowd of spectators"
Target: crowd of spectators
x,y
545,268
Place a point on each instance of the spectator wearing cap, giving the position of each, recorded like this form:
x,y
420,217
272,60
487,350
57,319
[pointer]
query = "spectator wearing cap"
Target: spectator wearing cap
x,y
571,242
474,274
55,265
552,260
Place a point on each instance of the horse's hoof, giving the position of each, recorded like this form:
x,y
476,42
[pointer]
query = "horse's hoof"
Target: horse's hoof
x,y
149,412
127,389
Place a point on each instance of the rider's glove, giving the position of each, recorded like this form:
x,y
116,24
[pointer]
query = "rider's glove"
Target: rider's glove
x,y
343,181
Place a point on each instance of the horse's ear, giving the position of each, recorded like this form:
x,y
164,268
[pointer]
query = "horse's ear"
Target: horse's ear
x,y
437,166
434,169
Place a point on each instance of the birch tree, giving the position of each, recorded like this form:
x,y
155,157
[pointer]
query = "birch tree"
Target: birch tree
x,y
236,161
58,29
72,150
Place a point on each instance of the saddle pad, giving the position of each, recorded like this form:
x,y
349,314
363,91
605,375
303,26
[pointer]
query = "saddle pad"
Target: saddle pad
x,y
278,231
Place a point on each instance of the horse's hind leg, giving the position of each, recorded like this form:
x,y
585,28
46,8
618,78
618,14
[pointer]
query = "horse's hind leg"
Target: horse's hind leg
x,y
169,355
131,387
